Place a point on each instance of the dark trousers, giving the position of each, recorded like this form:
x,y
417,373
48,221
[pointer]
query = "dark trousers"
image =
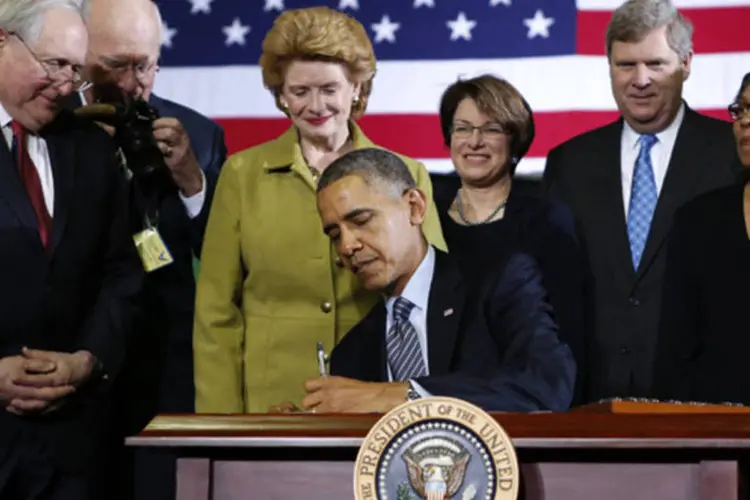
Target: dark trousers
x,y
27,475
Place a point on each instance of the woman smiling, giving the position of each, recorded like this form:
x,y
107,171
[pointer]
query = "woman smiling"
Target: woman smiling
x,y
270,285
489,127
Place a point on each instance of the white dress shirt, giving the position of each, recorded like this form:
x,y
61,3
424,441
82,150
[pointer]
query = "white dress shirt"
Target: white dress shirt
x,y
37,148
661,153
416,291
193,204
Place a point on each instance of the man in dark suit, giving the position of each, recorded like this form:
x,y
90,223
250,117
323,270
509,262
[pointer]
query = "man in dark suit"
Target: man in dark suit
x,y
69,270
496,346
124,48
624,182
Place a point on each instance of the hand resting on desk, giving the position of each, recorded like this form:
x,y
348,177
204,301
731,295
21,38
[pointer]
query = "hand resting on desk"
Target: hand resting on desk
x,y
344,395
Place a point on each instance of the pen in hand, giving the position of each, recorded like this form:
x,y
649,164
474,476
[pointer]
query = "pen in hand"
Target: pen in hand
x,y
322,358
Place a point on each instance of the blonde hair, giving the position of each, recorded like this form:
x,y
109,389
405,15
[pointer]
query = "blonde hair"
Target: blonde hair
x,y
318,34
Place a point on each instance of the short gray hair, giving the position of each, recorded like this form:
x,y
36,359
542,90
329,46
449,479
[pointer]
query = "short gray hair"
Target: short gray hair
x,y
375,166
635,19
26,17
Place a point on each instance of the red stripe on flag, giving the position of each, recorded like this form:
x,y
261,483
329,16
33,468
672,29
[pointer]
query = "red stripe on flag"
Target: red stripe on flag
x,y
418,136
717,29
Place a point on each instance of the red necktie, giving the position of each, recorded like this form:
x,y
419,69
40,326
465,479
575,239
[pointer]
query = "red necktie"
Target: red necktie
x,y
30,178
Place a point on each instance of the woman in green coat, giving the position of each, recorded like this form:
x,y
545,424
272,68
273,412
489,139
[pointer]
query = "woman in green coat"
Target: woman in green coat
x,y
270,284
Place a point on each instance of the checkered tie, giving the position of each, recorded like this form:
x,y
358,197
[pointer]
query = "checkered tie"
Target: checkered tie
x,y
404,352
643,199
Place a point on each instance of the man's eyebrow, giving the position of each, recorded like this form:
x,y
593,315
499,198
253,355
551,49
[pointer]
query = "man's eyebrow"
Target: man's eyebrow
x,y
351,214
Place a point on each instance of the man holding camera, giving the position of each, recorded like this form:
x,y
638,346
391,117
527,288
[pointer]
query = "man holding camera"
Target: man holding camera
x,y
123,52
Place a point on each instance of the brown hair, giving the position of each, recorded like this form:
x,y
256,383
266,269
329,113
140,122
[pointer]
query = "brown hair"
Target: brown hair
x,y
497,99
318,34
635,19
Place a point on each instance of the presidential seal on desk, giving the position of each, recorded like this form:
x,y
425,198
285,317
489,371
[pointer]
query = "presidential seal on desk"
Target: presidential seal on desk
x,y
436,449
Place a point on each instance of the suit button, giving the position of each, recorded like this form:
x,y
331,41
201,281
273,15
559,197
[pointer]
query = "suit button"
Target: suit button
x,y
338,262
624,350
326,307
634,302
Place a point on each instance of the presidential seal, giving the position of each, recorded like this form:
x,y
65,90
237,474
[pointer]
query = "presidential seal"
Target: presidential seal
x,y
436,449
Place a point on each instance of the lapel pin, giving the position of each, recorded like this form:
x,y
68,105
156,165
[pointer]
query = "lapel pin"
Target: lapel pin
x,y
448,312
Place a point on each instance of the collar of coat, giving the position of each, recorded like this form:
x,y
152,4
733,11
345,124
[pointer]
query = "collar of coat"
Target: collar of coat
x,y
284,151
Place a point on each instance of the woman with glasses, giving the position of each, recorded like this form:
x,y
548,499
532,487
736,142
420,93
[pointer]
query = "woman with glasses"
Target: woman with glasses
x,y
271,286
489,127
703,347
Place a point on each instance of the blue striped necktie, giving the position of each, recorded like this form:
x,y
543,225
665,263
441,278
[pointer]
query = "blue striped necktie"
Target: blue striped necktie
x,y
643,197
404,352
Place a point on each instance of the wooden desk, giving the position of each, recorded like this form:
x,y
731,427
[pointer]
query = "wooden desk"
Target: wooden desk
x,y
595,453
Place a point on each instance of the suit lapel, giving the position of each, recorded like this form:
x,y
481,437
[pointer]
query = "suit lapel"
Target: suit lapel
x,y
62,158
372,359
12,190
614,227
684,166
444,310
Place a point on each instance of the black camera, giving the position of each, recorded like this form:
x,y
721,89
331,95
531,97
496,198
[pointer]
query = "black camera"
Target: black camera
x,y
133,121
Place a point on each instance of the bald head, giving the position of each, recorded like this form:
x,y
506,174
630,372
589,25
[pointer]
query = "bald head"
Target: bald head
x,y
124,43
132,23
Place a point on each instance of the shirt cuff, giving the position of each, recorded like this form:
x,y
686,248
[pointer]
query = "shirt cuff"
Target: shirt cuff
x,y
194,204
420,390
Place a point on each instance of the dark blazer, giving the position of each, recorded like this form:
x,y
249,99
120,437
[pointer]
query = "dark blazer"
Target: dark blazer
x,y
703,343
544,229
624,304
498,348
82,297
159,377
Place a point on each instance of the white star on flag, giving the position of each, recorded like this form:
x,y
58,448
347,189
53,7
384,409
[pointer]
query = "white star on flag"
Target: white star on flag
x,y
274,4
236,32
461,27
385,30
352,4
167,34
426,3
200,6
538,25
495,3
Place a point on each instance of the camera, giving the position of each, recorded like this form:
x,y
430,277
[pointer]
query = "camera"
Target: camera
x,y
133,121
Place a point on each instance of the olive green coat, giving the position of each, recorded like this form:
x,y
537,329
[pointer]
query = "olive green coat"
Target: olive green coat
x,y
270,285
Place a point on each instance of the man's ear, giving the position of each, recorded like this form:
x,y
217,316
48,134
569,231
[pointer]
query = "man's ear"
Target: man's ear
x,y
687,65
417,201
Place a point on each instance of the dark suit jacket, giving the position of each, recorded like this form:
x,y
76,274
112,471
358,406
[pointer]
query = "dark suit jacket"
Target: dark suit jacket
x,y
159,377
82,297
546,231
703,342
498,349
624,304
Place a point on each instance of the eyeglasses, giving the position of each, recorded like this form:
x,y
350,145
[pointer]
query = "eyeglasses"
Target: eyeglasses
x,y
737,110
465,131
54,69
141,69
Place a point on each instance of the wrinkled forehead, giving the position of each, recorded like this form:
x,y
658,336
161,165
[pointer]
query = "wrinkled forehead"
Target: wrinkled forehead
x,y
137,42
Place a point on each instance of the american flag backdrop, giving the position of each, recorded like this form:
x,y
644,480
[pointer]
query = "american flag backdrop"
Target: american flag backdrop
x,y
551,50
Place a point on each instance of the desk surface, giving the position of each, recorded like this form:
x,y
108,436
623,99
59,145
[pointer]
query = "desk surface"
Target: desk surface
x,y
575,429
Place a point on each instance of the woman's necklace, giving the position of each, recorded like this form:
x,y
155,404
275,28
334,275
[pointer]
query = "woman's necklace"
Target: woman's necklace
x,y
459,209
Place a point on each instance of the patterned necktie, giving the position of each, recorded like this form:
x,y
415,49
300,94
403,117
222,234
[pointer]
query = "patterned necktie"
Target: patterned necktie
x,y
643,197
402,342
30,177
